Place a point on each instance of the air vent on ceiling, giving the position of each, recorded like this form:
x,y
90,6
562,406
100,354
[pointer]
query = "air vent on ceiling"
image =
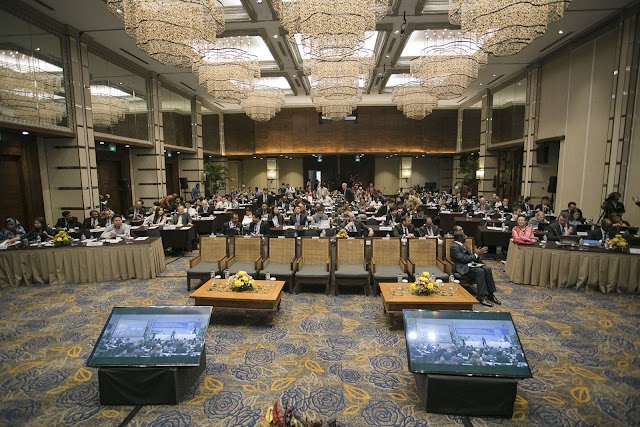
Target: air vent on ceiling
x,y
564,36
393,42
282,49
186,85
43,4
134,56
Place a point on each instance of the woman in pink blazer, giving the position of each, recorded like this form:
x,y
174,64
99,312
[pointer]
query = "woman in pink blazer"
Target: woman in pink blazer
x,y
522,232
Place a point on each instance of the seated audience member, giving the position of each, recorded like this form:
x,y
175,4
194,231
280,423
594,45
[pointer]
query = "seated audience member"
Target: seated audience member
x,y
483,276
544,206
483,205
405,228
67,221
276,217
429,229
393,217
319,216
232,227
522,232
205,209
106,217
94,221
137,212
575,217
385,209
298,218
158,217
190,210
513,219
258,227
248,218
613,205
604,233
617,221
117,229
263,212
180,218
527,206
537,219
560,227
571,206
505,206
41,229
354,225
12,232
419,213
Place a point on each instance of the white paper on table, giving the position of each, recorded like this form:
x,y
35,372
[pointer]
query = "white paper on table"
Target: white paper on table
x,y
135,227
288,227
495,228
385,228
141,238
185,228
94,243
96,230
153,227
116,240
635,251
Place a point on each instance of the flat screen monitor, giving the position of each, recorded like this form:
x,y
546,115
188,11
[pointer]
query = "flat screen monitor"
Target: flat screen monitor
x,y
467,343
152,336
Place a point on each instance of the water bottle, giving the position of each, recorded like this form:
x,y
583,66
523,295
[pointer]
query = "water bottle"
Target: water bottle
x,y
267,276
323,233
581,244
544,241
590,221
387,235
226,274
212,274
451,278
83,238
38,240
404,240
399,277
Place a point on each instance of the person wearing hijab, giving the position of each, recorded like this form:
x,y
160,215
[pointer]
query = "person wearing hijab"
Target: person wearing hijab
x,y
12,231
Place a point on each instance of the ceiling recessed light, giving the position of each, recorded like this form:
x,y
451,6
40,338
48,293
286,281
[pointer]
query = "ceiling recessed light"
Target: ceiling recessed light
x,y
178,152
259,1
37,48
101,142
295,76
24,132
494,75
480,84
126,146
275,36
396,32
560,32
387,56
119,11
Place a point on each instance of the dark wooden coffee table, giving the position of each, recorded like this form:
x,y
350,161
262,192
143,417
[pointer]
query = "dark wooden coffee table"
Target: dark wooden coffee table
x,y
394,304
266,299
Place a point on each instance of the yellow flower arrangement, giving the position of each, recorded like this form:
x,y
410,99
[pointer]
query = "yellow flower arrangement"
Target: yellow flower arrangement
x,y
241,281
62,239
425,284
342,233
618,243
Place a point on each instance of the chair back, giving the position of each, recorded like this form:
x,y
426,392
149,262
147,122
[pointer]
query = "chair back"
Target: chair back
x,y
386,251
448,241
247,249
349,251
423,251
213,248
314,251
282,251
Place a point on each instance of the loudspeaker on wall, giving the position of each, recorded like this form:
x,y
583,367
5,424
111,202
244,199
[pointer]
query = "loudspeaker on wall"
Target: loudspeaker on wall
x,y
553,183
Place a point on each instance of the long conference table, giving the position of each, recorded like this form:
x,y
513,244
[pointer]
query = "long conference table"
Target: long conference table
x,y
565,267
142,259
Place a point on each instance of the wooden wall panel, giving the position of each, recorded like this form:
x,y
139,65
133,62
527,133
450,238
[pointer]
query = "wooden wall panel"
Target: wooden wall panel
x,y
379,130
211,132
471,121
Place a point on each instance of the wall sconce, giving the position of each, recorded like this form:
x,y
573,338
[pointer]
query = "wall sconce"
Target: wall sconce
x,y
406,173
271,168
480,174
271,174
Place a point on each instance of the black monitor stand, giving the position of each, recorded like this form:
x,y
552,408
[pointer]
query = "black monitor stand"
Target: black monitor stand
x,y
148,385
467,395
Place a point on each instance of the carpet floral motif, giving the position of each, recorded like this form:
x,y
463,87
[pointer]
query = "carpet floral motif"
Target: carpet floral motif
x,y
327,356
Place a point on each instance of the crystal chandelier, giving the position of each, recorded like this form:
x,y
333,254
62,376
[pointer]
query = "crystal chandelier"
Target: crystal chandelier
x,y
46,112
169,30
108,110
262,103
448,69
506,25
335,109
331,28
227,72
413,100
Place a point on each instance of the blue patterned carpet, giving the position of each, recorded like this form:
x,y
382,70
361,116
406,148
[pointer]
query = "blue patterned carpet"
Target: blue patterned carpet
x,y
330,356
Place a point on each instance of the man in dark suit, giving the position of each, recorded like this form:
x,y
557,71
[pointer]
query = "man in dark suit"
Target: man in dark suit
x,y
604,232
276,217
298,218
263,212
353,225
264,197
544,206
180,217
67,221
393,217
405,228
462,256
385,209
429,228
347,193
259,227
94,221
232,227
560,227
137,213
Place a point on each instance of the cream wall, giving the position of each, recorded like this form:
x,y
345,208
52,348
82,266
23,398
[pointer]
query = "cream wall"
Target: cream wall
x,y
253,173
587,74
290,171
633,172
387,175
